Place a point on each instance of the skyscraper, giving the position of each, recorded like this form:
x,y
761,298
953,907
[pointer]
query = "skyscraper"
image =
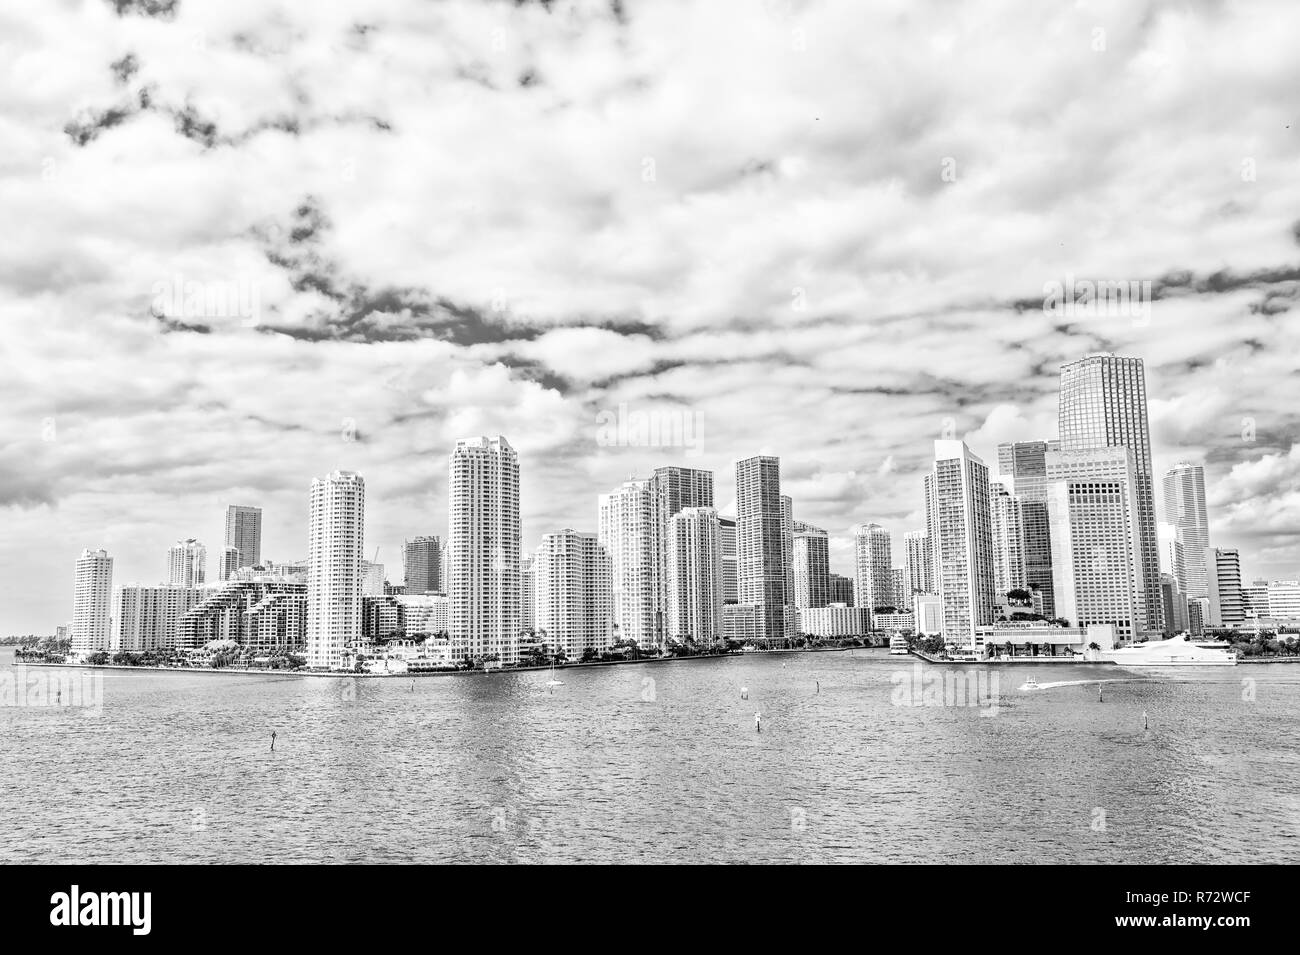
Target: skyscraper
x,y
148,617
671,490
787,548
760,517
572,603
90,602
958,523
1184,500
917,563
229,563
812,569
422,565
334,582
694,576
1104,404
873,562
244,533
483,549
1223,579
1024,464
841,590
528,602
730,585
187,564
627,531
1008,541
1095,539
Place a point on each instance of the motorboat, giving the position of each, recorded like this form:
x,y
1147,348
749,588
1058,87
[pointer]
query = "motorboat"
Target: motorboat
x,y
1175,652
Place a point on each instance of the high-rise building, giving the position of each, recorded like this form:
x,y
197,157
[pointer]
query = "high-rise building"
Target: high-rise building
x,y
812,568
1104,404
1095,539
760,517
1023,465
148,617
959,526
244,533
787,549
91,613
422,565
229,563
187,564
694,573
917,564
1223,580
902,593
672,489
873,562
372,579
1008,541
1173,555
573,602
1254,599
840,590
483,549
730,586
334,578
528,609
260,615
1184,500
627,532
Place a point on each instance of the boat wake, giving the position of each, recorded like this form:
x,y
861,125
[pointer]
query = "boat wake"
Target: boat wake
x,y
1035,685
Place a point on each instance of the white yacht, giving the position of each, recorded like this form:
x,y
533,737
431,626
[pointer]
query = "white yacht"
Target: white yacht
x,y
898,644
1175,652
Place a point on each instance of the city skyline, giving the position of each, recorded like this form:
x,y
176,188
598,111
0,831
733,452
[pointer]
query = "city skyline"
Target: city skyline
x,y
762,278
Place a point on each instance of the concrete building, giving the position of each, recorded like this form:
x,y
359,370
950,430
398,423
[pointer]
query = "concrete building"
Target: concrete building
x,y
1096,539
743,623
483,550
840,590
187,564
873,565
627,532
694,573
334,575
760,547
672,489
1103,404
1223,580
573,606
244,533
1023,468
927,614
260,615
426,615
959,525
918,563
812,571
91,610
837,620
422,565
1185,510
148,617
1008,540
730,582
229,568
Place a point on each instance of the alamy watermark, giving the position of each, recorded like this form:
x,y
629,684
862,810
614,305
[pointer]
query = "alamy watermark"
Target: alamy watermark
x,y
652,428
1082,298
47,687
177,298
929,686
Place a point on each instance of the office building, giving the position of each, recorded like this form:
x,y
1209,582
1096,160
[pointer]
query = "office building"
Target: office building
x,y
244,533
1184,508
760,551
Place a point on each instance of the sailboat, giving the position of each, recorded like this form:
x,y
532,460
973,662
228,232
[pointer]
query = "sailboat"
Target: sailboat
x,y
552,683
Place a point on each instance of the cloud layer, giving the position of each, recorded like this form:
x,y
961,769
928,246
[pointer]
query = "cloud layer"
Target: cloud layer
x,y
250,243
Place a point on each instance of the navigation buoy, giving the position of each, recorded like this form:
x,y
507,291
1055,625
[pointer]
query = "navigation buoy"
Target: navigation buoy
x,y
273,741
758,722
1099,693
744,692
819,686
1146,725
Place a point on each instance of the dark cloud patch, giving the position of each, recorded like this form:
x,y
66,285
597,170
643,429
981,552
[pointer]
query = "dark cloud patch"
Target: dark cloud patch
x,y
170,325
193,126
162,9
535,371
87,127
529,78
125,68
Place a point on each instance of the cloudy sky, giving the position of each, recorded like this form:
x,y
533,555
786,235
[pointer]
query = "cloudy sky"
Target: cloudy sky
x,y
248,242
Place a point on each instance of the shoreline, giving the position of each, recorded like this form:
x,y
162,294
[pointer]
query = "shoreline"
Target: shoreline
x,y
413,674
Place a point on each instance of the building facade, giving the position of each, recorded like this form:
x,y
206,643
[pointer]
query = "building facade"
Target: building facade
x,y
334,578
91,602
